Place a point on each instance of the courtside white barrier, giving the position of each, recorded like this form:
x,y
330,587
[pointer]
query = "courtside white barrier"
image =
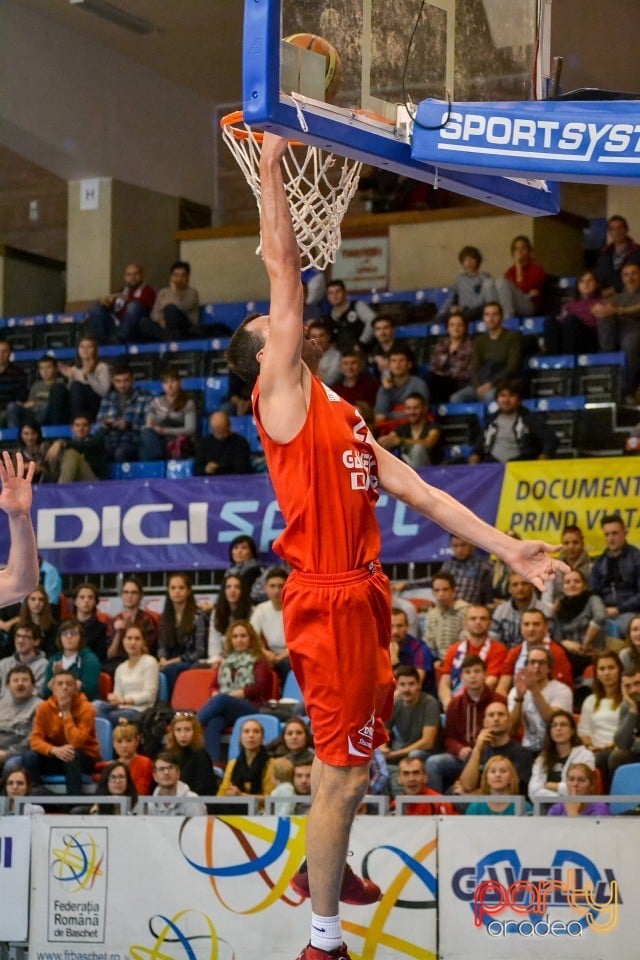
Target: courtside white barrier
x,y
170,888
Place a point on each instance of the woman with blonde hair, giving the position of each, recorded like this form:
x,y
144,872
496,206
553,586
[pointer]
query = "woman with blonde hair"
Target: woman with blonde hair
x,y
498,777
251,772
186,740
581,781
245,683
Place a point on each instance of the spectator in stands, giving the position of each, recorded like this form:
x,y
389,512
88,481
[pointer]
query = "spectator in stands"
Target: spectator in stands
x,y
574,329
494,740
122,415
135,686
126,740
409,651
63,739
171,424
245,683
451,360
355,383
534,697
579,621
186,740
166,773
412,782
471,290
116,318
13,381
47,402
574,555
83,458
283,771
251,772
397,384
27,653
183,630
85,606
176,311
445,620
36,610
18,705
465,718
498,777
620,250
417,441
329,365
36,450
51,580
497,356
238,401
521,295
562,748
296,742
474,641
615,575
233,603
74,657
471,572
513,432
115,780
352,320
243,553
630,654
132,614
507,616
626,738
534,632
383,342
301,785
223,451
619,326
581,781
267,621
89,380
414,726
601,710
18,784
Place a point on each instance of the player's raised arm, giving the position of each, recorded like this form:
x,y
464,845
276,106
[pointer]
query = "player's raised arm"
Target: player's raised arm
x,y
280,365
20,576
530,558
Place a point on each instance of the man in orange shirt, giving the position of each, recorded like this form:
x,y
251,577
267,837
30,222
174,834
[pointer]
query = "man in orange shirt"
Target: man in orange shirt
x,y
63,740
326,468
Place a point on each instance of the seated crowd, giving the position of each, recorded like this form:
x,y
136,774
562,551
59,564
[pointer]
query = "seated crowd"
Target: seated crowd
x,y
112,419
500,690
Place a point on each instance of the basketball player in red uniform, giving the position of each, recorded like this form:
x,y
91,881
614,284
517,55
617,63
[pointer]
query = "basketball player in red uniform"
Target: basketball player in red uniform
x,y
20,576
326,470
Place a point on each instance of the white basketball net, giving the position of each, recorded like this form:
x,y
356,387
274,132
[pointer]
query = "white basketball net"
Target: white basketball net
x,y
317,205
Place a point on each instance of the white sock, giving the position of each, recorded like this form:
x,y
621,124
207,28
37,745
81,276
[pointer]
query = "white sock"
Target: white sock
x,y
326,932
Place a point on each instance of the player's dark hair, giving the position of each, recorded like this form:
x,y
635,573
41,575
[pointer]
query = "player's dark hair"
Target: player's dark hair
x,y
243,349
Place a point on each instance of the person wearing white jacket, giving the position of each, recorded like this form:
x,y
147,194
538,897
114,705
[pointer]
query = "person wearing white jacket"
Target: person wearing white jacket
x,y
561,749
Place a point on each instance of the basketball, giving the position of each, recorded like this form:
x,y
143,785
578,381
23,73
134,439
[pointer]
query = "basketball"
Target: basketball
x,y
333,68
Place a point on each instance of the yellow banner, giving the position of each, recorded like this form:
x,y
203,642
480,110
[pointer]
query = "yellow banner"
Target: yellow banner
x,y
539,499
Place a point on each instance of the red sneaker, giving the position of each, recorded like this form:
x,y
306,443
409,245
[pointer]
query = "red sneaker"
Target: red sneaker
x,y
355,890
313,953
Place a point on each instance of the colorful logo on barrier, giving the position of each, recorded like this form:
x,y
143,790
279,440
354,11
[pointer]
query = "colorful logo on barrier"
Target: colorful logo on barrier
x,y
570,896
188,935
77,863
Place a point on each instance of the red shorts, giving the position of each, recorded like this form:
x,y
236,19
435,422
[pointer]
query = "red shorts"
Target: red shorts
x,y
337,628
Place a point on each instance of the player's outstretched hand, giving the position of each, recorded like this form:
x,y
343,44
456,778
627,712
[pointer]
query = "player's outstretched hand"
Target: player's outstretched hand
x,y
532,560
273,146
16,484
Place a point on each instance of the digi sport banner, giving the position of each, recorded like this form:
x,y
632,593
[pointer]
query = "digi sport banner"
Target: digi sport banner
x,y
217,888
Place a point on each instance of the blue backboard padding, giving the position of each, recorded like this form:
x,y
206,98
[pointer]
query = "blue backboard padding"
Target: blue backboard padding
x,y
264,109
595,141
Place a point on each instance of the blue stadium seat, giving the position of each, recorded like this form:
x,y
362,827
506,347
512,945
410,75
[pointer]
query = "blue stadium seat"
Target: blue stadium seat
x,y
291,689
216,392
56,432
104,733
246,427
626,779
533,325
551,376
140,470
179,469
600,376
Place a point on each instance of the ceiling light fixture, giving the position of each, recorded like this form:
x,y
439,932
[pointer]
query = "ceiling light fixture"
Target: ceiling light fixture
x,y
107,11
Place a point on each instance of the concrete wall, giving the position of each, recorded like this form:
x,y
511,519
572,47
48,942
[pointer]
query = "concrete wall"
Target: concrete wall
x,y
226,268
28,286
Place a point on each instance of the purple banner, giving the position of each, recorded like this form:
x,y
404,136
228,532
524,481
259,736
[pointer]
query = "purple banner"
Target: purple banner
x,y
188,524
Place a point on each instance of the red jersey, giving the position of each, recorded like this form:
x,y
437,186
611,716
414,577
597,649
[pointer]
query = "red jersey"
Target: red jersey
x,y
325,481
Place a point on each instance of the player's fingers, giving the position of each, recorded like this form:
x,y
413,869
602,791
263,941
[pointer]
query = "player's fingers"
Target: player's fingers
x,y
31,471
8,470
19,471
3,472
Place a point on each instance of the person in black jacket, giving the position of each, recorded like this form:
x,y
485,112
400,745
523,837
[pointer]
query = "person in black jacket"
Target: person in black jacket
x,y
513,432
186,740
223,451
